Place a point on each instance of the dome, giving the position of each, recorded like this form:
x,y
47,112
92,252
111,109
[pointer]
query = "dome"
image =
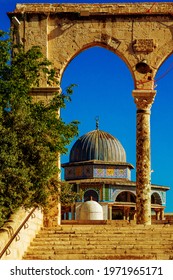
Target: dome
x,y
97,145
91,210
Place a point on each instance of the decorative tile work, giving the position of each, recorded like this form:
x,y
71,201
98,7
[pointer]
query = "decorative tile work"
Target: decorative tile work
x,y
103,171
121,173
76,172
99,172
88,171
69,173
79,171
110,172
96,171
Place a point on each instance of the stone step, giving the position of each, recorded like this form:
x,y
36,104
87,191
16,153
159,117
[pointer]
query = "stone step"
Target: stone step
x,y
104,256
72,231
106,230
118,225
110,228
87,247
97,251
117,235
105,238
102,242
144,233
85,241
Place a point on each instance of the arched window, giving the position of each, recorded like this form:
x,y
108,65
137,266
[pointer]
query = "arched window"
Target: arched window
x,y
126,197
155,199
91,195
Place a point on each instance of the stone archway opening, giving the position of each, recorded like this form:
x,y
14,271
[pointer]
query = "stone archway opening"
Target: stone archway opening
x,y
161,133
124,208
126,196
156,199
102,92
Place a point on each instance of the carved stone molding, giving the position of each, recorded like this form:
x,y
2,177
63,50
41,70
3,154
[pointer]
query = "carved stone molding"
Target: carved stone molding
x,y
44,94
144,98
108,40
144,45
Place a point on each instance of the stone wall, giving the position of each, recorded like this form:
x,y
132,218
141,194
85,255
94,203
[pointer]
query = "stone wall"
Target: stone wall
x,y
25,236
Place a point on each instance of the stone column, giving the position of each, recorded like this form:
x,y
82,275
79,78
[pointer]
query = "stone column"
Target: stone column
x,y
110,212
73,212
157,211
143,100
127,213
162,214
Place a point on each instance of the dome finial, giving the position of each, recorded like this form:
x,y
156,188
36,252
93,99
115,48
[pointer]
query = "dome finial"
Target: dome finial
x,y
97,122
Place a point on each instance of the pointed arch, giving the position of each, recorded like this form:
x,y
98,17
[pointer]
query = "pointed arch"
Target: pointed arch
x,y
106,46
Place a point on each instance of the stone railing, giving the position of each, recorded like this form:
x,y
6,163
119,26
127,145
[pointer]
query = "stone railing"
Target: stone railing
x,y
18,232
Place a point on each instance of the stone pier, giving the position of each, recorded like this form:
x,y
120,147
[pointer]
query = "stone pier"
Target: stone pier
x,y
143,100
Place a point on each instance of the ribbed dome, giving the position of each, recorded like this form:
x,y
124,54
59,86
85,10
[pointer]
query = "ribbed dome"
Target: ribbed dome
x,y
97,145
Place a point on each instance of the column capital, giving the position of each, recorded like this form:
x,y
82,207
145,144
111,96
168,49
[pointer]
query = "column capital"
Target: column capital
x,y
144,98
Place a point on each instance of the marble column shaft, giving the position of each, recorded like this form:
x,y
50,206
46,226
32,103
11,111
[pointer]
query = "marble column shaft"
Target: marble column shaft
x,y
143,100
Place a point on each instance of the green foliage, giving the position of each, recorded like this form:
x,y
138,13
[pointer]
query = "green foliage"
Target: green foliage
x,y
64,192
31,134
68,196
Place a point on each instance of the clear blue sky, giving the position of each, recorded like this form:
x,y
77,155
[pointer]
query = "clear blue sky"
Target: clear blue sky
x,y
105,89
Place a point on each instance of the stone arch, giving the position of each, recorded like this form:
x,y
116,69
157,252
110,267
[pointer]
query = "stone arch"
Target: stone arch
x,y
162,55
91,194
100,43
156,199
126,196
85,33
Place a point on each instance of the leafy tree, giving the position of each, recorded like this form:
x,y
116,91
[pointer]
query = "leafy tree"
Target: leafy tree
x,y
31,134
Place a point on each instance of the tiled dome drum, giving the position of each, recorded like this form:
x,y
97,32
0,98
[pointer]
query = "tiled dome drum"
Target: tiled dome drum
x,y
97,145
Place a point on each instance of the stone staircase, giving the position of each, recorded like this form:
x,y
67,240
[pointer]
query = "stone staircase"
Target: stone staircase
x,y
102,242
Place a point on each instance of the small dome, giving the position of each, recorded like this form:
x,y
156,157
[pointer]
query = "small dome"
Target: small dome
x,y
91,210
97,145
